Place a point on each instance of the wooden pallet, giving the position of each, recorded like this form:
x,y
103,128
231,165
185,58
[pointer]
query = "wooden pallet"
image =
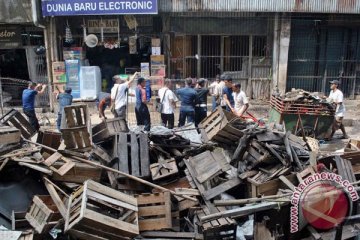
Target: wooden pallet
x,y
108,128
102,211
164,171
221,126
76,138
132,153
9,135
43,214
17,120
221,228
154,211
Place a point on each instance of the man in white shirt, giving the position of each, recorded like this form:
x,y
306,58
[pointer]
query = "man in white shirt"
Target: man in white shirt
x,y
241,101
212,89
219,93
168,100
118,95
337,98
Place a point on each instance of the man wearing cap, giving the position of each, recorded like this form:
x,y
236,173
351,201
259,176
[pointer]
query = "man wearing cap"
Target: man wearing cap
x,y
118,95
28,101
201,101
187,95
337,98
64,99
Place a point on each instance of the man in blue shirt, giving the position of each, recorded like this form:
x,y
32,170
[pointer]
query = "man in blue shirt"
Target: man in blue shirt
x,y
65,99
228,97
141,110
187,95
28,101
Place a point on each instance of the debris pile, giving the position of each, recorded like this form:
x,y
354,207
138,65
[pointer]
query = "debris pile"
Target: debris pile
x,y
106,182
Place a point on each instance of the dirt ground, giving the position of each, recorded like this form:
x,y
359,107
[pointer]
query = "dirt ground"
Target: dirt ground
x,y
259,109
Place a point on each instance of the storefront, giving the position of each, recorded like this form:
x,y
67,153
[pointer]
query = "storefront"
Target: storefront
x,y
114,37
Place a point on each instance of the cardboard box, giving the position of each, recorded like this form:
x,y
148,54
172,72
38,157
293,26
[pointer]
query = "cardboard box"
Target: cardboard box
x,y
145,70
74,53
157,60
155,50
155,42
59,72
158,70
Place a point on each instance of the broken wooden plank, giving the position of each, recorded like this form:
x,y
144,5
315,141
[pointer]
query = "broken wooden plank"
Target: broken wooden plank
x,y
36,167
242,211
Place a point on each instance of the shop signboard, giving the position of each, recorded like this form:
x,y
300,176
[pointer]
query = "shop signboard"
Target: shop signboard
x,y
108,25
10,37
98,7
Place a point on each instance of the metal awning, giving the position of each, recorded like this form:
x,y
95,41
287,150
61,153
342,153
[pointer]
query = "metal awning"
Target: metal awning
x,y
15,11
305,6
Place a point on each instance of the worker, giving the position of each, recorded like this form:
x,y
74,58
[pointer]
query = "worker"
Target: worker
x,y
104,101
28,102
64,99
119,95
336,97
212,89
187,96
201,101
141,109
168,100
228,98
241,101
219,93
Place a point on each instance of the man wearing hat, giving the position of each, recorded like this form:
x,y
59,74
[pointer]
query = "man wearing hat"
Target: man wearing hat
x,y
64,99
337,98
201,101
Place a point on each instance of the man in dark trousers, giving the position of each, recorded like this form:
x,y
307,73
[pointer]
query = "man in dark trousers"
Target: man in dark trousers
x,y
65,99
187,96
228,93
141,110
201,101
28,101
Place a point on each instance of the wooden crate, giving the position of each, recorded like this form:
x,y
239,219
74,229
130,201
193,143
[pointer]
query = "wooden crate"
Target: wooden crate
x,y
19,222
132,153
63,164
154,211
76,138
165,171
205,168
9,135
75,116
221,126
268,188
78,174
43,214
221,228
102,211
49,138
17,120
108,128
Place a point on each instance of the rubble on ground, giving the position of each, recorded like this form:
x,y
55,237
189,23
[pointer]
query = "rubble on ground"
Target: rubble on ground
x,y
234,180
